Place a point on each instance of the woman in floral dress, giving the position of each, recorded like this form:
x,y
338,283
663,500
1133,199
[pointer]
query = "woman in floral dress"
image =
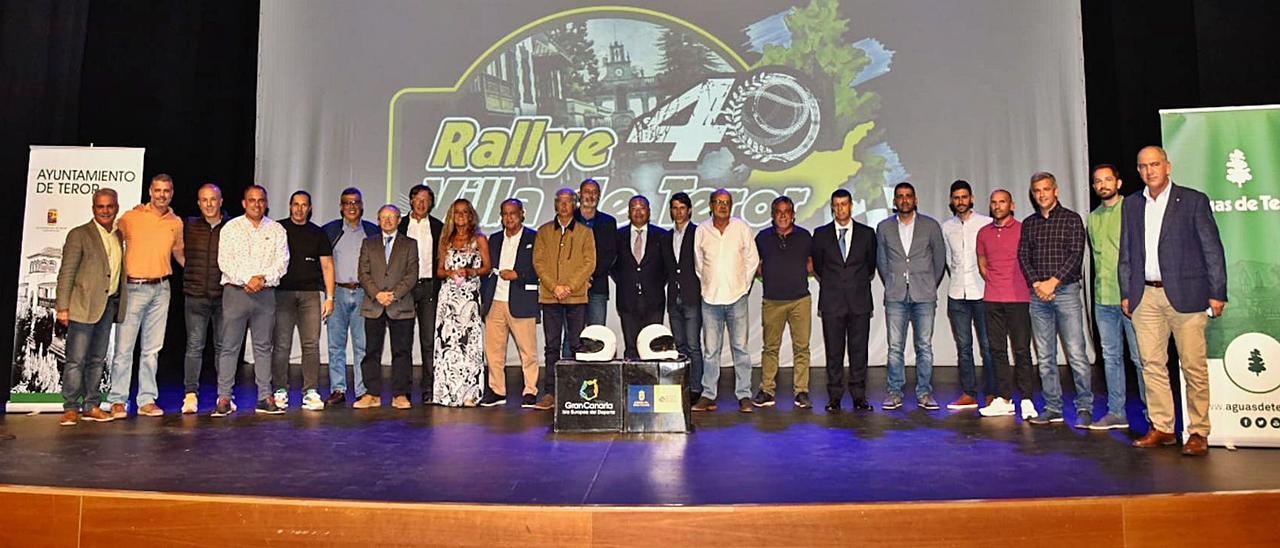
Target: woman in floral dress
x,y
459,346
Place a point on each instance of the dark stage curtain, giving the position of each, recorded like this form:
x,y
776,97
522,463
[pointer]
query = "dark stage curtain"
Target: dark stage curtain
x,y
178,78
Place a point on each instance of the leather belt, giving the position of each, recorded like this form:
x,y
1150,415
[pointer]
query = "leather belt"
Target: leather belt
x,y
240,287
146,281
348,286
1151,283
425,280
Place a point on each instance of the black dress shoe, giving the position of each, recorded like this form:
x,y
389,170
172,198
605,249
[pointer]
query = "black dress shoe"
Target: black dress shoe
x,y
862,405
336,397
833,405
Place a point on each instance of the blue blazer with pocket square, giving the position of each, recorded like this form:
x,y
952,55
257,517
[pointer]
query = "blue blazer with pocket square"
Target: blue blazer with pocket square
x,y
522,297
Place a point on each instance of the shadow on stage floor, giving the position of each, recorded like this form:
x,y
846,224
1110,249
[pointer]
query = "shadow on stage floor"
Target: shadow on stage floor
x,y
509,455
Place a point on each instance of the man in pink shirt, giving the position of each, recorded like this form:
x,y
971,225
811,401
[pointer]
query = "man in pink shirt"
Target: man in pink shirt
x,y
1007,300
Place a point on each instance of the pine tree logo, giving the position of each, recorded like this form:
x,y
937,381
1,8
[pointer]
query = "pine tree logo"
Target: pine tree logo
x,y
1238,170
1256,364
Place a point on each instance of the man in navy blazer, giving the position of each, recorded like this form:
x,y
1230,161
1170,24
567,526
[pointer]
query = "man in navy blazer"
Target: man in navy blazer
x,y
1173,278
844,261
509,304
684,290
640,274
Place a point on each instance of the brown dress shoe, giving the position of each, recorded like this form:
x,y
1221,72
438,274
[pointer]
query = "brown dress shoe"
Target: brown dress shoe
x,y
337,397
1196,446
97,415
367,401
1155,438
547,401
118,411
69,418
151,410
703,404
744,405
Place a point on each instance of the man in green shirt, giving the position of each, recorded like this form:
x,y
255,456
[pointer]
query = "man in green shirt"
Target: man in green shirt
x,y
1114,328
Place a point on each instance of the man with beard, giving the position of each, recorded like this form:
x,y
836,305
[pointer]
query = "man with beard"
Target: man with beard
x,y
1114,327
911,259
964,298
303,300
605,230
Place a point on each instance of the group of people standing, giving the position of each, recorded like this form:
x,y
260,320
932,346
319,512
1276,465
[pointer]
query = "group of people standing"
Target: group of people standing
x,y
1158,260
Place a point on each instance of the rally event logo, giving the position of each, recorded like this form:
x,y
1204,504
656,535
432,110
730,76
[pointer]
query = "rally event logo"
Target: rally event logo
x,y
647,103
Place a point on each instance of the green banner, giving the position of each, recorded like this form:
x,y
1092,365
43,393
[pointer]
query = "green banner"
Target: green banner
x,y
1233,156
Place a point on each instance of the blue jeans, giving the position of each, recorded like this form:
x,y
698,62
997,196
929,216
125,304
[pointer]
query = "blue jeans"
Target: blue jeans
x,y
597,314
1114,328
147,311
920,316
1063,316
86,356
686,329
967,316
346,319
715,318
200,312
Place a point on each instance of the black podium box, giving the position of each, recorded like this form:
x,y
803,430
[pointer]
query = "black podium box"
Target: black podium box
x,y
655,396
589,396
622,396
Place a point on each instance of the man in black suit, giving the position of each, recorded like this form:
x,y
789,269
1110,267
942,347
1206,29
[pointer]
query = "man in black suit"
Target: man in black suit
x,y
425,229
844,261
684,290
509,304
640,274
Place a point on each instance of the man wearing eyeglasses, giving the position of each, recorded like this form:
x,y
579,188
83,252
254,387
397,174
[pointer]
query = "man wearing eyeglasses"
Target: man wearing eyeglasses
x,y
785,264
639,273
726,260
345,236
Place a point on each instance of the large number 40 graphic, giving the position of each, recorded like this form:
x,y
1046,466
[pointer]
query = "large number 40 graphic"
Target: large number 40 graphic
x,y
769,117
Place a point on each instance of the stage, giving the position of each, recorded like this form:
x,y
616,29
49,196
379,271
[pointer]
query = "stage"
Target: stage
x,y
499,460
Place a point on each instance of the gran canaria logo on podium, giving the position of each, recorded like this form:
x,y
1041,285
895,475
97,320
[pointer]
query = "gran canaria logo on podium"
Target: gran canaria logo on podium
x,y
590,389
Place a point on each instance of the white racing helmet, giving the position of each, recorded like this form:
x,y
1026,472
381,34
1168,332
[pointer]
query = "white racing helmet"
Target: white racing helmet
x,y
596,344
655,343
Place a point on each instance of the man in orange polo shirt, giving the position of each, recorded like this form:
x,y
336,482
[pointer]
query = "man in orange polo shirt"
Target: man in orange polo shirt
x,y
152,233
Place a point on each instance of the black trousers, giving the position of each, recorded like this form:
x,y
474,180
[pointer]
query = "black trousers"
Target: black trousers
x,y
632,323
375,330
424,303
1011,322
555,319
843,333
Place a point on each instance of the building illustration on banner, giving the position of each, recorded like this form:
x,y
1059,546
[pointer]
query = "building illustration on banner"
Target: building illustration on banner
x,y
687,113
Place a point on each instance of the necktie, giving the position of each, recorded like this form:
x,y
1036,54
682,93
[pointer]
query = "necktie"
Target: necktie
x,y
387,248
637,247
844,244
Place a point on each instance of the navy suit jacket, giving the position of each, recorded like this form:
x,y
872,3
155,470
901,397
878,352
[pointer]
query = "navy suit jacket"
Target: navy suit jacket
x,y
844,286
522,300
1192,264
641,287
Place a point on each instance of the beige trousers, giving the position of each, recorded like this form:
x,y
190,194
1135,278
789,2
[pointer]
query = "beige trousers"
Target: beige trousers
x,y
1153,321
496,326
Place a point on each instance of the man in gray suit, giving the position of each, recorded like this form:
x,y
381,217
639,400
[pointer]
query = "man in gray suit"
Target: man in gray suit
x,y
388,274
910,257
91,295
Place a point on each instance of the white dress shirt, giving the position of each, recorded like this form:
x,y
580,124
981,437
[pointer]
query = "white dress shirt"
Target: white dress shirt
x,y
848,237
907,232
245,251
1153,218
506,261
640,232
421,231
677,238
725,263
961,238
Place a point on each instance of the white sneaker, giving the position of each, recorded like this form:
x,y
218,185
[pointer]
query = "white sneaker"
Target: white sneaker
x,y
997,408
190,404
312,402
1029,409
282,399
